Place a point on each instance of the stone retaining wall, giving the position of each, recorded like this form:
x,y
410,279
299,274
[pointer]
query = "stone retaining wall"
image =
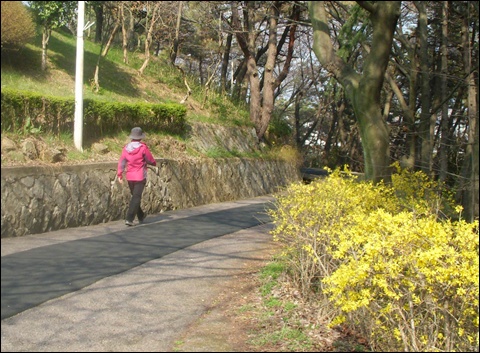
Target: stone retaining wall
x,y
42,199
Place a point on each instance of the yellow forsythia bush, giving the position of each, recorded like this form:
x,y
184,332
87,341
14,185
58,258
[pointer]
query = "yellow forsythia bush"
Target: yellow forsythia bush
x,y
309,219
414,278
392,269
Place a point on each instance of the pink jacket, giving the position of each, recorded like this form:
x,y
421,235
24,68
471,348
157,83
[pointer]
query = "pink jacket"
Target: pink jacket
x,y
134,159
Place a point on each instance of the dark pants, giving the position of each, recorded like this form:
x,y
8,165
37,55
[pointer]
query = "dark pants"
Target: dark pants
x,y
134,209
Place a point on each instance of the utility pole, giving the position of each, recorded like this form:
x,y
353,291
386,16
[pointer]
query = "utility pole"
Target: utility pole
x,y
78,123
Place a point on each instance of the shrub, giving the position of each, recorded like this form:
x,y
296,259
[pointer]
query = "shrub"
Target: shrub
x,y
287,153
309,219
17,24
413,278
417,193
56,114
383,260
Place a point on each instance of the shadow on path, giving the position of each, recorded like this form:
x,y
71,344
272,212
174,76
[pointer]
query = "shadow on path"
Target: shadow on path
x,y
34,276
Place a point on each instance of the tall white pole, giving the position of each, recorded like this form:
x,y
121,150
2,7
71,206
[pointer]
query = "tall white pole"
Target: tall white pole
x,y
78,124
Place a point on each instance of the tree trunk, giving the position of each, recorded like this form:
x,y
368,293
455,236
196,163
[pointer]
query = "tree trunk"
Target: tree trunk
x,y
225,61
409,104
152,17
124,33
247,44
95,84
173,54
261,107
131,35
239,78
426,128
444,147
363,90
104,51
471,206
45,39
255,100
471,192
269,85
99,22
110,38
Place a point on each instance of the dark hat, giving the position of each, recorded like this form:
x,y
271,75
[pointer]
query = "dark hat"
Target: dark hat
x,y
137,134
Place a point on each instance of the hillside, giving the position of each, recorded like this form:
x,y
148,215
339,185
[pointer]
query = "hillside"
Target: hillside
x,y
118,82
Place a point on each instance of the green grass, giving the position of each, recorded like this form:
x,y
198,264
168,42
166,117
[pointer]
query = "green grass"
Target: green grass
x,y
246,308
294,340
178,345
269,275
278,326
118,81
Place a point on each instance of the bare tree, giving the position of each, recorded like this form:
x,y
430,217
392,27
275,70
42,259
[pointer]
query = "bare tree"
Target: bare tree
x,y
262,96
174,53
152,9
114,10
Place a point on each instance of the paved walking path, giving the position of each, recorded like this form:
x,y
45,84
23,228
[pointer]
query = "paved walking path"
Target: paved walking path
x,y
115,288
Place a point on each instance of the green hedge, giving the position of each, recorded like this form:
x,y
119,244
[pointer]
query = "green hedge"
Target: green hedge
x,y
23,110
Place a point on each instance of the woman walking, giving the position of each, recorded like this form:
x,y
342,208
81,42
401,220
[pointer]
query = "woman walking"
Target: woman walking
x,y
133,162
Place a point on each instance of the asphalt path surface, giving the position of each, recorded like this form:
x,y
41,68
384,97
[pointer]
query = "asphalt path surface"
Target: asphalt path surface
x,y
116,288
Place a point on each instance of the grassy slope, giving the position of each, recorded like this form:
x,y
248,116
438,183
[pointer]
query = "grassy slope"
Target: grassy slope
x,y
118,82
